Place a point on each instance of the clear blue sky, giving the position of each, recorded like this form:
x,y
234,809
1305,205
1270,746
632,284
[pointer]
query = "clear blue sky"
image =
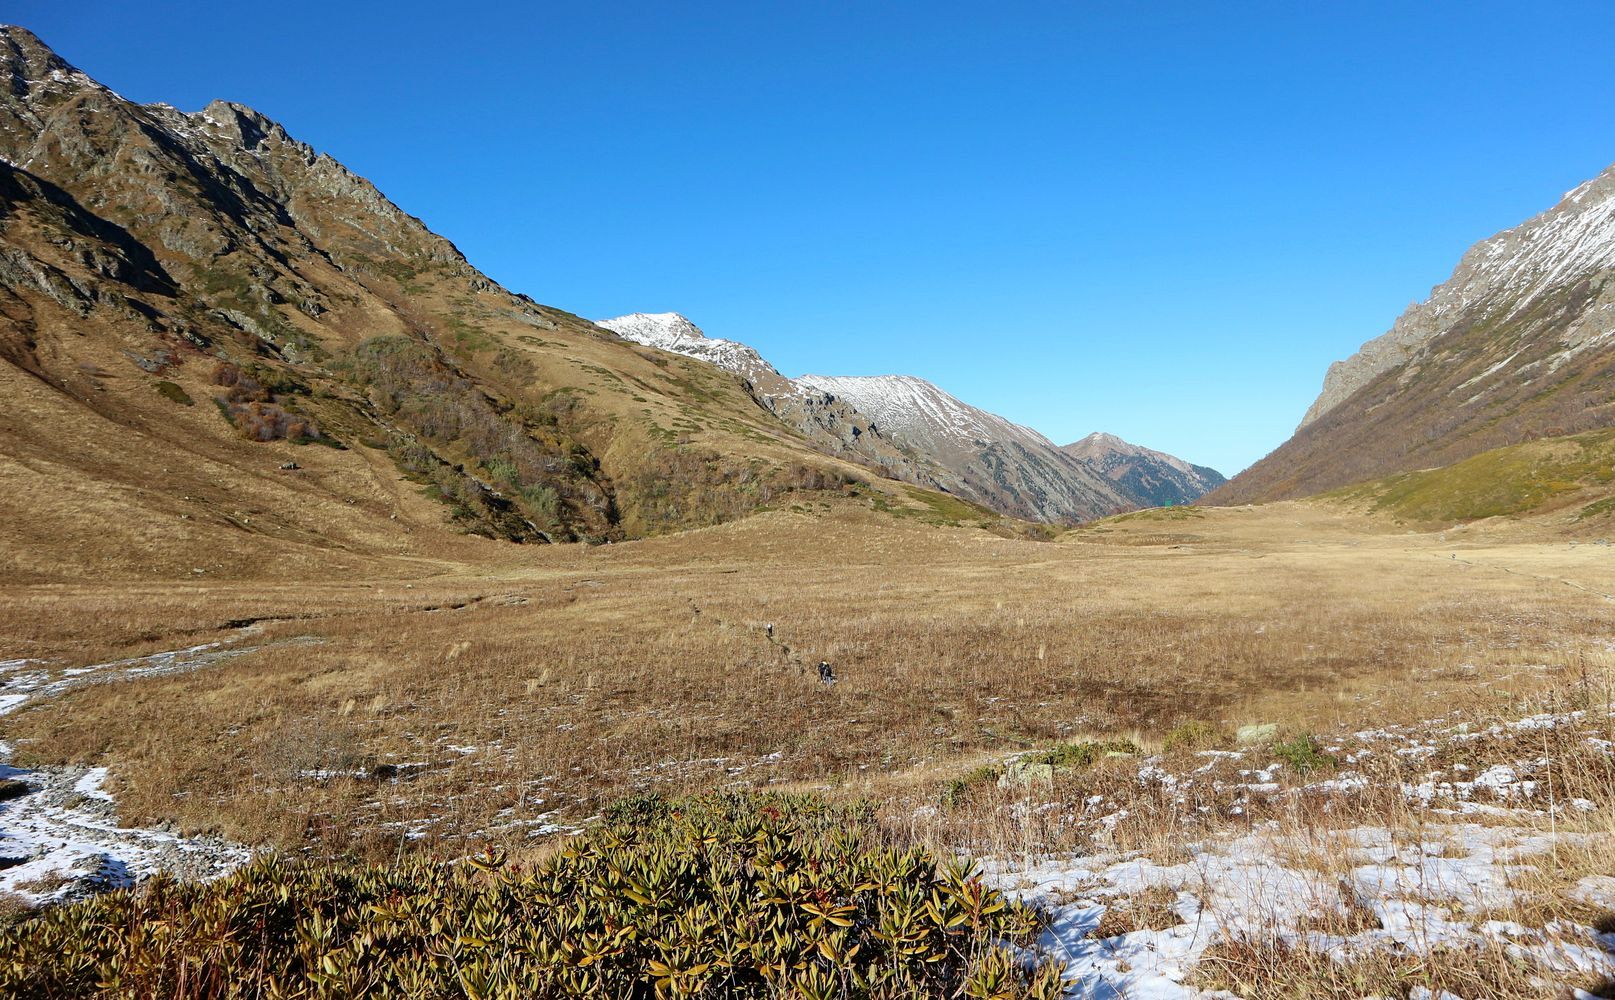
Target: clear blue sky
x,y
1161,220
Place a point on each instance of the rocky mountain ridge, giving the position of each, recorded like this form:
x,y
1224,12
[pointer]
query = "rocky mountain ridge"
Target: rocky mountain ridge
x,y
1504,275
1518,343
189,299
828,423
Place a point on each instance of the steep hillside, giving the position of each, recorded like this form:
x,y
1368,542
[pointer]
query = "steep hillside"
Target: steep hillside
x,y
1518,344
998,463
193,304
1149,478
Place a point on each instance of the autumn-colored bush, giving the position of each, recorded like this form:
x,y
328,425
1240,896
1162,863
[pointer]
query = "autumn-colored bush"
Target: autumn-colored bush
x,y
256,411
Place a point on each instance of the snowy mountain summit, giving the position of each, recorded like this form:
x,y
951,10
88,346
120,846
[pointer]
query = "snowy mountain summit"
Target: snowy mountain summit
x,y
670,331
923,413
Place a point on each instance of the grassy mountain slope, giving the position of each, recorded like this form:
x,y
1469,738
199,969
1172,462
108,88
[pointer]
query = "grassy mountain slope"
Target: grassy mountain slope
x,y
1568,475
190,301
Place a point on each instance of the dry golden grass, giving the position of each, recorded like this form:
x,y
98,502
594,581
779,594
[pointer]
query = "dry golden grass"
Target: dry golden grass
x,y
484,701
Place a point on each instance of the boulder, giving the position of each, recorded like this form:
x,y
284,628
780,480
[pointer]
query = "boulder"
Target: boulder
x,y
1261,732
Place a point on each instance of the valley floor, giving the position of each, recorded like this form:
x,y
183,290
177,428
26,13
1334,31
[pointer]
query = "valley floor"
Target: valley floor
x,y
454,705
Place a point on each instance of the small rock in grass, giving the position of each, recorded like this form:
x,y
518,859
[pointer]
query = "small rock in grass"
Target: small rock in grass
x,y
1262,732
1019,772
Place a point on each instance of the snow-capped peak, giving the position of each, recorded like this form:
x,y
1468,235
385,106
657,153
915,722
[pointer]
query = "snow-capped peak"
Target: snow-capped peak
x,y
669,331
653,329
922,411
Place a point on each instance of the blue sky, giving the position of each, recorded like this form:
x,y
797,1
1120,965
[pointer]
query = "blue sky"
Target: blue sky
x,y
1161,220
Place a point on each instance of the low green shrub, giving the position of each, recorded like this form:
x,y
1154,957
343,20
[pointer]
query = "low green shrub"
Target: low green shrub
x,y
1303,754
172,392
716,896
1069,756
955,790
1194,735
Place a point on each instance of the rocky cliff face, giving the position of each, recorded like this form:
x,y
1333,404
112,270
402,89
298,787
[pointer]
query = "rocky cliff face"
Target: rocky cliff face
x,y
1501,278
1519,343
1149,478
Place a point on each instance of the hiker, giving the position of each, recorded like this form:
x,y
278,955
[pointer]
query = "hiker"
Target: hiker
x,y
826,675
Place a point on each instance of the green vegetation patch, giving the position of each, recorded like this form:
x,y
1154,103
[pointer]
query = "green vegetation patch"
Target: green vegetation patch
x,y
1303,754
172,392
1597,508
1194,735
1505,481
1185,513
1070,756
718,896
937,509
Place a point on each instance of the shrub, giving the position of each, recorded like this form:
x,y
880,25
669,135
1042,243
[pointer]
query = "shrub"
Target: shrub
x,y
547,475
171,391
1194,735
1068,756
1303,754
732,896
954,792
254,410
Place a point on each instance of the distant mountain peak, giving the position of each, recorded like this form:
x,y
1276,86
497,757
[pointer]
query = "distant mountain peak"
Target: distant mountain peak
x,y
949,444
1151,478
908,404
661,325
670,331
1103,438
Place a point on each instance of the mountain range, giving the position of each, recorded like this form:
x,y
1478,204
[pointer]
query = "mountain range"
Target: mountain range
x,y
951,445
190,300
224,353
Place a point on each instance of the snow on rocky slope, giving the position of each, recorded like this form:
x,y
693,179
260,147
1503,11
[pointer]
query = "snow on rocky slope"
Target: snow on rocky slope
x,y
671,332
1502,278
1516,345
829,424
923,414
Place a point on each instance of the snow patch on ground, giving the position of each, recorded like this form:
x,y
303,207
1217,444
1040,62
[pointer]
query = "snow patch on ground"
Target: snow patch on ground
x,y
60,840
1425,896
1346,890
